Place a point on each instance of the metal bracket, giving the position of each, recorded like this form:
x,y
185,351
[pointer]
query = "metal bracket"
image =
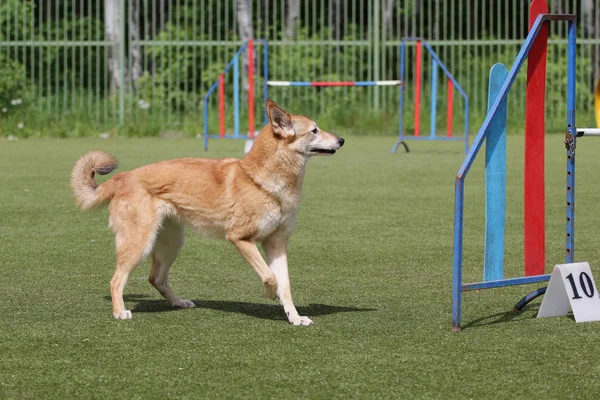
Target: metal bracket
x,y
569,141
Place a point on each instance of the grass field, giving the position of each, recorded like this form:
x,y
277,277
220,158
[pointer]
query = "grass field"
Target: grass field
x,y
370,261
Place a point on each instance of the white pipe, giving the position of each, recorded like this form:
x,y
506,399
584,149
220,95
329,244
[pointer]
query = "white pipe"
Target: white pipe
x,y
588,131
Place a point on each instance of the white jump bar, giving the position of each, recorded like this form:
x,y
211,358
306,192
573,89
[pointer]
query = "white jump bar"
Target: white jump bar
x,y
588,132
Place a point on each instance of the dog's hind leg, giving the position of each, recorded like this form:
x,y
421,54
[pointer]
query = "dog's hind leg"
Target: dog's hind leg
x,y
276,251
136,229
166,249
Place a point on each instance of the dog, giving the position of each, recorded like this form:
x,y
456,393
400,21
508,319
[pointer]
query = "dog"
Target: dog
x,y
246,201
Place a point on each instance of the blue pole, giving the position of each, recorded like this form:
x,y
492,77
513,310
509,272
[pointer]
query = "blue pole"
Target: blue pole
x,y
571,142
466,125
512,74
495,181
459,193
402,52
434,73
401,102
236,96
206,123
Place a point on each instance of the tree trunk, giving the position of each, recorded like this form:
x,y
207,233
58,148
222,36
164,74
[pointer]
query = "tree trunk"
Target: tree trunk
x,y
388,14
591,30
244,19
337,19
112,30
134,35
293,13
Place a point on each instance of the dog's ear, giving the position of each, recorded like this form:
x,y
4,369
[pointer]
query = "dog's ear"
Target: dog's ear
x,y
280,120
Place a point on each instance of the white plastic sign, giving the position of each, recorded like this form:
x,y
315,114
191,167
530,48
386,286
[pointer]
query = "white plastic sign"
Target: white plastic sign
x,y
571,286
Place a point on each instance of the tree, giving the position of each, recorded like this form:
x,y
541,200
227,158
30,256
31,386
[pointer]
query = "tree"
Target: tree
x,y
591,30
337,19
112,30
293,13
388,14
134,35
246,32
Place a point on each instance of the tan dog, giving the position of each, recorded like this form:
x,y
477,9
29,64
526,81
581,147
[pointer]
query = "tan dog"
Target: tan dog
x,y
245,201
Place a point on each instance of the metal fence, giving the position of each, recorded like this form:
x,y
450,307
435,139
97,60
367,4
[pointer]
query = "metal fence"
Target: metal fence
x,y
143,66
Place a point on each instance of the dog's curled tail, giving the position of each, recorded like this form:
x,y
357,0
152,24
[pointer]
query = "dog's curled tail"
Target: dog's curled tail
x,y
87,193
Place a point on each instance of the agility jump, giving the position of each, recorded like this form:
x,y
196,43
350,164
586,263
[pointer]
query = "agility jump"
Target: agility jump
x,y
451,83
535,46
219,87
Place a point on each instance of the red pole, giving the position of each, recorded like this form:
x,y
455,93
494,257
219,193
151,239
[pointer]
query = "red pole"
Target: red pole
x,y
250,89
222,105
450,107
534,210
418,88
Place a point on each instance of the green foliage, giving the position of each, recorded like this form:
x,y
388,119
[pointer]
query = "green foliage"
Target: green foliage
x,y
16,20
12,80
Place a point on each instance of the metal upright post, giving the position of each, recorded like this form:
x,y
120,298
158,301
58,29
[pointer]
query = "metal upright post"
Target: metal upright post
x,y
570,142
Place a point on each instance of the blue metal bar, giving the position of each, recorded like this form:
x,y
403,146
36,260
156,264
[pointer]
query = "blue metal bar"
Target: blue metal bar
x,y
459,194
445,69
571,142
508,82
495,182
506,282
466,125
236,96
434,73
401,106
402,54
235,57
206,122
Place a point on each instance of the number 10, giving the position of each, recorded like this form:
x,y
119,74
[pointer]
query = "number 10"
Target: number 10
x,y
586,285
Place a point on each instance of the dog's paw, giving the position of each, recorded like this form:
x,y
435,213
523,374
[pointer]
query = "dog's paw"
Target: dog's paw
x,y
301,321
183,304
125,314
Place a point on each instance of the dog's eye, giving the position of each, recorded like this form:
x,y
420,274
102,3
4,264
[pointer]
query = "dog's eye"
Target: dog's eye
x,y
315,131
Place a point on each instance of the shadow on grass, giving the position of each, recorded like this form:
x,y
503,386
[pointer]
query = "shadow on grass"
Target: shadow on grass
x,y
505,317
256,310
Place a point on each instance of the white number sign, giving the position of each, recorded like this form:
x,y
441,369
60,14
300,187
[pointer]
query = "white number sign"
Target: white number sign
x,y
571,286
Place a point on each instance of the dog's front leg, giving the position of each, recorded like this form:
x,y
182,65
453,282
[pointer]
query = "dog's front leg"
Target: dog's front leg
x,y
276,250
250,252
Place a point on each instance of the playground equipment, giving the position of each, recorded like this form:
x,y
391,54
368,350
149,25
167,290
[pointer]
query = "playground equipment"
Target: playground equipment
x,y
451,83
535,46
219,87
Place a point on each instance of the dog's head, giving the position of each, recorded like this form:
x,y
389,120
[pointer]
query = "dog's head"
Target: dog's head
x,y
300,133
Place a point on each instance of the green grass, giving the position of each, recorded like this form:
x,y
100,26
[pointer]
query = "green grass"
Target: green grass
x,y
371,264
